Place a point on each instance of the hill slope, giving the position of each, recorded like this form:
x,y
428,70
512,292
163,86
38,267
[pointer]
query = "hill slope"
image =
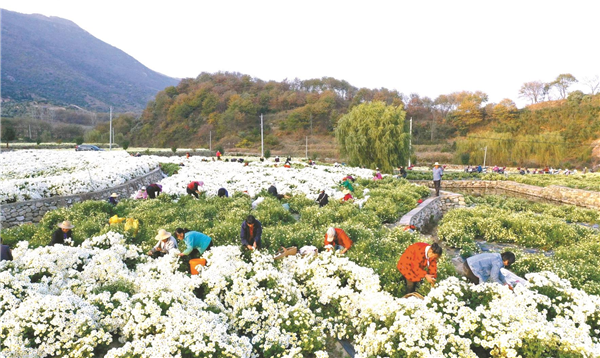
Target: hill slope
x,y
53,59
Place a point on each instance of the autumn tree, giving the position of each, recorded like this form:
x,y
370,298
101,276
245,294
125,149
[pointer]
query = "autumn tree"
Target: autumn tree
x,y
506,111
562,84
533,91
374,134
469,111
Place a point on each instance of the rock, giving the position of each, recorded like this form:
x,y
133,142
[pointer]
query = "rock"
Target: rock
x,y
20,218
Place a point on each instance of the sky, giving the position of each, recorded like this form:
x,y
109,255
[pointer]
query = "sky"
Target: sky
x,y
429,47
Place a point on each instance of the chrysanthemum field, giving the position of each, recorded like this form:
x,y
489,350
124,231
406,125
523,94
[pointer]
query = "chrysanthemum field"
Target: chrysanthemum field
x,y
105,297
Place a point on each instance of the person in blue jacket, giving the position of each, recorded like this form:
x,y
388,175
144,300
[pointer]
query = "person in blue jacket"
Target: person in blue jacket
x,y
195,243
251,233
486,267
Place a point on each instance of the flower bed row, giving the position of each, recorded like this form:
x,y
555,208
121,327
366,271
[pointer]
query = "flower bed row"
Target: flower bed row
x,y
106,298
502,220
589,181
36,174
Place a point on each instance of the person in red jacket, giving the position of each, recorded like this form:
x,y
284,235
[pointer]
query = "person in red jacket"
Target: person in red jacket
x,y
336,238
419,261
193,188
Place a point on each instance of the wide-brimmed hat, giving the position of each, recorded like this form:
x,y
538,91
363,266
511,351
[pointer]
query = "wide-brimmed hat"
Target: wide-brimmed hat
x,y
143,188
162,234
66,225
330,234
114,195
346,191
436,163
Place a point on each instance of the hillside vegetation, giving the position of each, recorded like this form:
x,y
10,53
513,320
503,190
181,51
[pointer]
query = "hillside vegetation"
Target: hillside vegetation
x,y
49,59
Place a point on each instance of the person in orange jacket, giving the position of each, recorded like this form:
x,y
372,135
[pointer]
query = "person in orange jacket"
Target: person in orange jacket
x,y
336,238
419,261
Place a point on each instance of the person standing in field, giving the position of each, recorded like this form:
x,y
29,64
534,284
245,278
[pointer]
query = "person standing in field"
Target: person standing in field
x,y
438,172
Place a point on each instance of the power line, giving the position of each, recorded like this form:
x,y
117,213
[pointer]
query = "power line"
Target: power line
x,y
532,141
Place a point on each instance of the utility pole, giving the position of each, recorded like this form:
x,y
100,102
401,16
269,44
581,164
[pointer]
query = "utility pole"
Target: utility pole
x,y
311,132
484,156
210,141
306,147
110,132
410,141
262,142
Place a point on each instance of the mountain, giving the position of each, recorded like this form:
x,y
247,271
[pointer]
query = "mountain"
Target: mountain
x,y
54,60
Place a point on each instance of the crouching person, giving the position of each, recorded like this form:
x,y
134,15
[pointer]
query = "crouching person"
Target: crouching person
x,y
337,239
419,261
195,244
251,233
486,267
165,244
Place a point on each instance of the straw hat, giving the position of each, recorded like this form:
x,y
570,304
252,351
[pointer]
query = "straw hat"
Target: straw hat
x,y
114,195
66,225
436,163
162,234
330,234
346,191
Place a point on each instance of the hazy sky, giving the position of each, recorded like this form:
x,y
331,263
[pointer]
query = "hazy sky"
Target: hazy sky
x,y
426,47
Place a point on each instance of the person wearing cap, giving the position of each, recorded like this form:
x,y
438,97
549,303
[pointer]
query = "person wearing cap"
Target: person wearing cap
x,y
222,192
112,199
62,233
251,233
323,199
165,243
141,194
419,261
193,188
378,175
438,172
346,183
336,238
153,190
486,267
5,252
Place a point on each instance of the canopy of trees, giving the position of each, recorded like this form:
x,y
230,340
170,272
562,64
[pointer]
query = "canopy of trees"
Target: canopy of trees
x,y
374,134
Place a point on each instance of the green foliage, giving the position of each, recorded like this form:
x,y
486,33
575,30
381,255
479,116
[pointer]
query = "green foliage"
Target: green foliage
x,y
169,168
374,135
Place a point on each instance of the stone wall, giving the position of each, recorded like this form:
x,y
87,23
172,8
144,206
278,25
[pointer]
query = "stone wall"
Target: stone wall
x,y
32,211
579,197
431,210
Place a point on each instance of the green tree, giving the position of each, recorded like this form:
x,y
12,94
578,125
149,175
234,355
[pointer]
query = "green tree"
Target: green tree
x,y
8,132
562,83
374,134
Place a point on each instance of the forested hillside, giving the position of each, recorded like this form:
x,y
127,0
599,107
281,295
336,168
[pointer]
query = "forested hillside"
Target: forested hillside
x,y
230,105
52,60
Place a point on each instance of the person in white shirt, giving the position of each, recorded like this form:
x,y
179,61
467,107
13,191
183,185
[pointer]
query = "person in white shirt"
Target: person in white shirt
x,y
165,243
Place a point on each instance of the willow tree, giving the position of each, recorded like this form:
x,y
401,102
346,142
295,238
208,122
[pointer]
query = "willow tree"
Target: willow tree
x,y
373,135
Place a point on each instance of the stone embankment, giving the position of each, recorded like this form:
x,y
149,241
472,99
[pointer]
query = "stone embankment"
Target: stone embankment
x,y
432,210
579,197
32,211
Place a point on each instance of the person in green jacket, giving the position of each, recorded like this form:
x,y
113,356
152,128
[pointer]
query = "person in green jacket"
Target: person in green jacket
x,y
195,243
346,183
